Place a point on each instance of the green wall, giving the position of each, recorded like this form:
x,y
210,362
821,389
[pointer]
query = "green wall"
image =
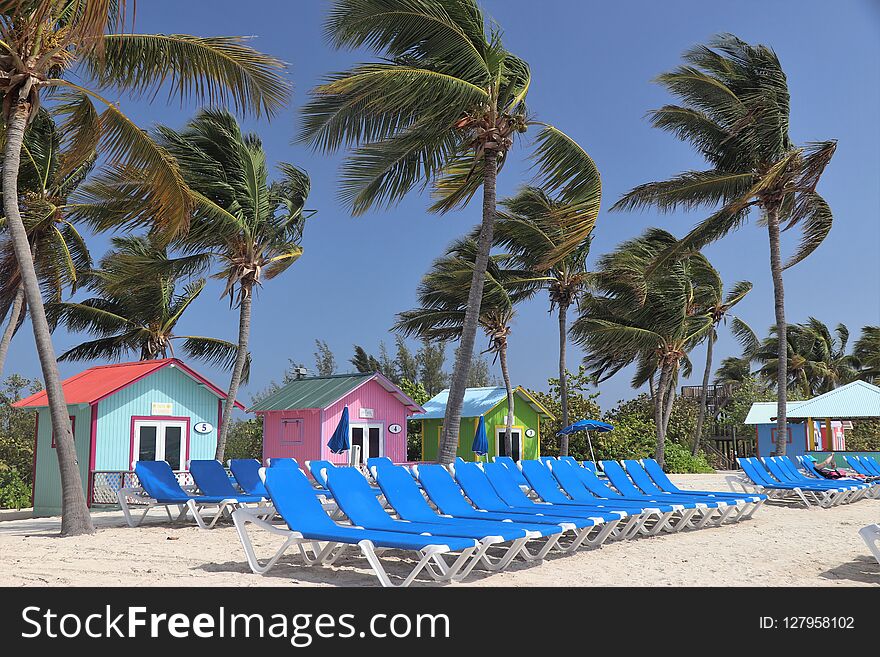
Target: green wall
x,y
524,416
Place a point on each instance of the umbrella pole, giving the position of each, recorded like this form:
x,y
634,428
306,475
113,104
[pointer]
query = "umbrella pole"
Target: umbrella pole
x,y
590,441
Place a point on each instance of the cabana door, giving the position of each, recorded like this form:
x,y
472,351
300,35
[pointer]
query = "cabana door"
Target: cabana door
x,y
369,438
160,440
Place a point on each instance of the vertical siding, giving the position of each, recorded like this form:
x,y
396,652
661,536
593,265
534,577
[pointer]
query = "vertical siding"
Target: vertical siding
x,y
387,409
272,429
189,398
523,416
767,445
47,491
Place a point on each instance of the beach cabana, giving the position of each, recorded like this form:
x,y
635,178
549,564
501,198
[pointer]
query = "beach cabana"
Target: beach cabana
x,y
153,410
490,403
300,417
817,424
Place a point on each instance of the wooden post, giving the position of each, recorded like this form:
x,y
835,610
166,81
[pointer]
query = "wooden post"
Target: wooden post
x,y
828,435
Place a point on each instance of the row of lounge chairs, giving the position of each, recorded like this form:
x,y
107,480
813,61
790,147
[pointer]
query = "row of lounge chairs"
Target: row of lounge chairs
x,y
457,519
780,478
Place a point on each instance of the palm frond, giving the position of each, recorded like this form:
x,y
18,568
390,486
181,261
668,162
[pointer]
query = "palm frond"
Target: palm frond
x,y
211,70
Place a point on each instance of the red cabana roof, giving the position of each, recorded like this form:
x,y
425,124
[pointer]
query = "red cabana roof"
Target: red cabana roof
x,y
97,383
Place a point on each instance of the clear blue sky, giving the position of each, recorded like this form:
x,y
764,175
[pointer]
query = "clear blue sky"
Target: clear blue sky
x,y
592,65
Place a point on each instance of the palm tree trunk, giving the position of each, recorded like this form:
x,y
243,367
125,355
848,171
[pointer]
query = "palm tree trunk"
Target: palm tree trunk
x,y
563,375
505,374
15,315
244,334
669,400
458,383
75,518
658,414
781,330
704,393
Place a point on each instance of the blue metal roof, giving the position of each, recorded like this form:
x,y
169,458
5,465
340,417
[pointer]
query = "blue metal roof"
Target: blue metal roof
x,y
856,399
477,402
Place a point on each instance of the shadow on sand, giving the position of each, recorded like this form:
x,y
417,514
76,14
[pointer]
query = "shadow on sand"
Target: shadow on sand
x,y
861,569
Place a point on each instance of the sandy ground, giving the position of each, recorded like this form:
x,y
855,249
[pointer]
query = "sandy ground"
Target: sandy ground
x,y
779,546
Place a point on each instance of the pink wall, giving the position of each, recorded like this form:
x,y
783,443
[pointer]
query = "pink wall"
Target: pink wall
x,y
273,424
387,409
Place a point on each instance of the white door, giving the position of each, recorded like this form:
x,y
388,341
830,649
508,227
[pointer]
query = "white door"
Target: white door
x,y
160,440
370,438
515,442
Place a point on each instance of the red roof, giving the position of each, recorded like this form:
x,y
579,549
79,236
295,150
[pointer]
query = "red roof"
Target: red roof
x,y
96,383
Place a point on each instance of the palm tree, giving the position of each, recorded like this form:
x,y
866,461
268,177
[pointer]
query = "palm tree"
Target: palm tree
x,y
817,360
252,227
440,108
137,306
733,370
40,41
735,112
533,227
866,353
57,248
719,311
443,298
646,316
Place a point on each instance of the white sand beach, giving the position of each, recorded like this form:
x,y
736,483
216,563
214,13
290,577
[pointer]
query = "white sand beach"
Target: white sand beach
x,y
780,546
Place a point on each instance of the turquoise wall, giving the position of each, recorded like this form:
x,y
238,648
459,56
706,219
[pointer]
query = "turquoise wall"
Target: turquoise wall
x,y
113,430
47,481
189,398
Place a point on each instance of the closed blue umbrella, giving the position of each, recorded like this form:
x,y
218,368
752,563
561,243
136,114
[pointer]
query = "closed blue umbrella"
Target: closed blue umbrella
x,y
339,440
586,425
481,443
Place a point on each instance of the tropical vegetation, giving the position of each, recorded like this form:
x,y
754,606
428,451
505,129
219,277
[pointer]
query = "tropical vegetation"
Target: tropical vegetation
x,y
441,108
41,42
735,111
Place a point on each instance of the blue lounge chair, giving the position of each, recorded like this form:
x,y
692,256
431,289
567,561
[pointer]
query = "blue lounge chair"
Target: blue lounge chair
x,y
352,492
375,461
403,493
663,482
282,462
159,487
476,484
872,464
319,467
567,476
845,490
308,526
761,480
247,474
549,490
642,479
855,463
705,507
569,459
446,494
211,479
515,472
674,517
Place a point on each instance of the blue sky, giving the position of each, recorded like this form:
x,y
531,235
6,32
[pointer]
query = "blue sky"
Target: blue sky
x,y
592,65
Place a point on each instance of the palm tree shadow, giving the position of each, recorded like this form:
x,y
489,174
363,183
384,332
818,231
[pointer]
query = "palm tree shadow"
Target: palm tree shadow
x,y
861,569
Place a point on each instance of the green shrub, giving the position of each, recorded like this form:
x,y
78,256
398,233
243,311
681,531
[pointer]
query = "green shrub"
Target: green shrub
x,y
245,440
14,492
679,459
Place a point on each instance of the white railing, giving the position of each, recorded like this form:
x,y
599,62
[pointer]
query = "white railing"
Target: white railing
x,y
104,484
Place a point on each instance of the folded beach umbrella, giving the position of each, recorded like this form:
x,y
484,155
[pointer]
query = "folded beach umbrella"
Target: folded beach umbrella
x,y
480,446
586,425
339,440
